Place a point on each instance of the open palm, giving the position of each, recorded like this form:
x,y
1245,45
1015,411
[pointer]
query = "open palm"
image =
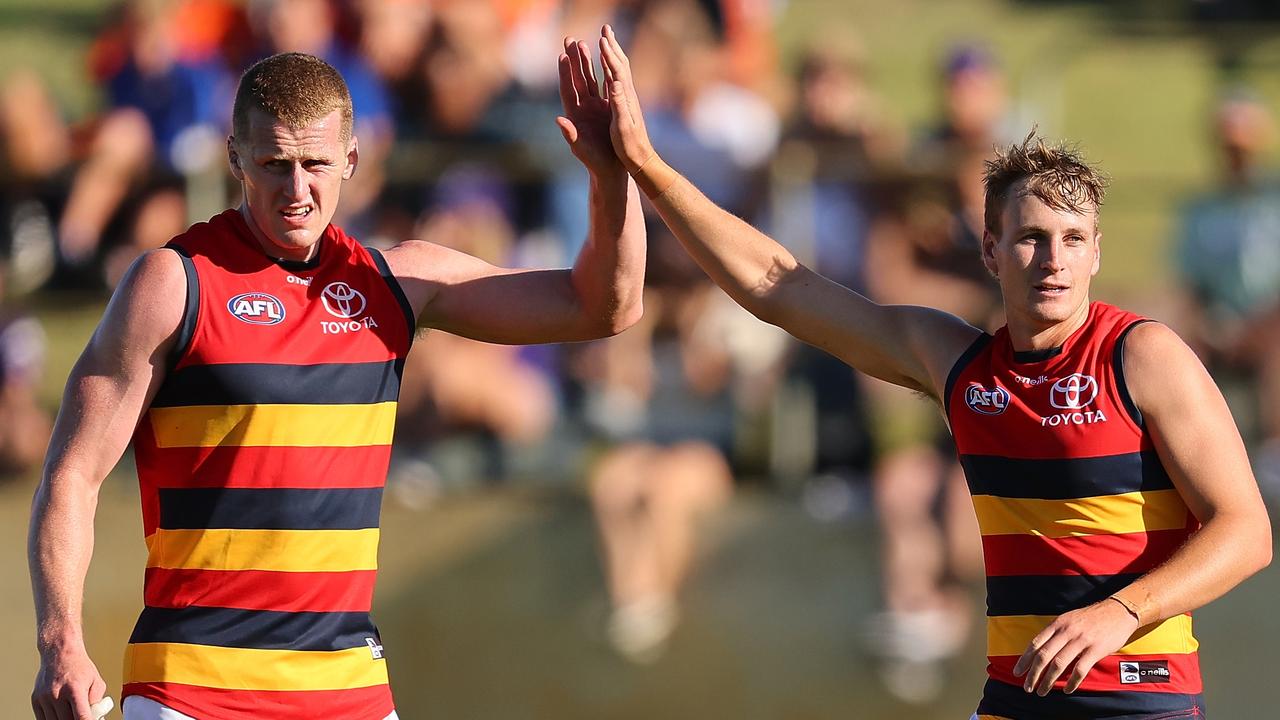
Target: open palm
x,y
585,123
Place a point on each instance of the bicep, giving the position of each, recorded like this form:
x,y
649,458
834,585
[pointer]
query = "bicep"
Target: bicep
x,y
1191,425
466,296
905,345
119,370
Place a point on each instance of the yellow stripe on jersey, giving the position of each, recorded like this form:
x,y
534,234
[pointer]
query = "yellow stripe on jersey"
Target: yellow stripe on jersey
x,y
280,550
1100,515
1012,634
274,425
251,669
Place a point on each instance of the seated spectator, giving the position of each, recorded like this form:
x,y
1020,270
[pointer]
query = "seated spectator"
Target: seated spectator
x,y
24,425
1228,255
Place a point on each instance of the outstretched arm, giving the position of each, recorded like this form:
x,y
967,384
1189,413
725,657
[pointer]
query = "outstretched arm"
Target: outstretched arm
x,y
1199,445
106,393
906,345
599,296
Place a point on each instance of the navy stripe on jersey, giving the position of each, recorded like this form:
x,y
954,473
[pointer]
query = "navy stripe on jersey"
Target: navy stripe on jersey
x,y
1117,360
190,311
1050,594
269,508
272,384
962,362
1012,701
1065,479
255,629
396,291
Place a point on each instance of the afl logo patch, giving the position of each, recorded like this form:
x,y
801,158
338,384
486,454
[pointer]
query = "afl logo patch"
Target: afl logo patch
x,y
256,308
986,401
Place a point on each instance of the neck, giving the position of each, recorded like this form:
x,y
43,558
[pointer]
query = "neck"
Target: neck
x,y
1030,335
273,250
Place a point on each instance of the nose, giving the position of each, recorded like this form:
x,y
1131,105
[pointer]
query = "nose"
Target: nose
x,y
1051,256
296,183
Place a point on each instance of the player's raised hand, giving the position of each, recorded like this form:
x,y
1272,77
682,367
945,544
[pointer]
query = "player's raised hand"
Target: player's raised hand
x,y
585,123
627,131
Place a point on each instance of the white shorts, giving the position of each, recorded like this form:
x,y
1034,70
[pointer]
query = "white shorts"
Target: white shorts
x,y
137,707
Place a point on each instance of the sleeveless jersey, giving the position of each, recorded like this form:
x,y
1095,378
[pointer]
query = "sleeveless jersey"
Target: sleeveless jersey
x,y
262,461
1073,504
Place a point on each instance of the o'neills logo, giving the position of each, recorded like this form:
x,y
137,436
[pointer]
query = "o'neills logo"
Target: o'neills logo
x,y
986,401
256,308
1144,671
1073,394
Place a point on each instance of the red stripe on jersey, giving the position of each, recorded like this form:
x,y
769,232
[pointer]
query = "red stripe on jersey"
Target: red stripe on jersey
x,y
1184,674
371,703
1081,554
350,591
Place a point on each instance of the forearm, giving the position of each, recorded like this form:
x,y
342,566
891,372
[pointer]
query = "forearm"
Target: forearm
x,y
59,546
608,275
743,261
1219,556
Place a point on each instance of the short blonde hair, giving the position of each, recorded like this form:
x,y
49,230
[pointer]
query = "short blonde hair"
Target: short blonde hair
x,y
1056,174
294,88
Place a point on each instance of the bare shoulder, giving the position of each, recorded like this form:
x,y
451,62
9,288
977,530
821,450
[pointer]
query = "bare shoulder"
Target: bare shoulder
x,y
147,306
1155,361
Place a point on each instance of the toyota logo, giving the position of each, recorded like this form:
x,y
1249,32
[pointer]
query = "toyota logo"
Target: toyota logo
x,y
342,300
1073,392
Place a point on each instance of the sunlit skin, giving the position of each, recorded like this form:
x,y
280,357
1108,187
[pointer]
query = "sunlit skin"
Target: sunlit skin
x,y
291,179
1044,260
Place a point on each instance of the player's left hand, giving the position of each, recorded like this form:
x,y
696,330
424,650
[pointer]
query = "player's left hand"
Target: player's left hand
x,y
1075,640
585,123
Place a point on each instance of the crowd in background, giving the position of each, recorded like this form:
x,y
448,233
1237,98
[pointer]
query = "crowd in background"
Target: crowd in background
x,y
454,104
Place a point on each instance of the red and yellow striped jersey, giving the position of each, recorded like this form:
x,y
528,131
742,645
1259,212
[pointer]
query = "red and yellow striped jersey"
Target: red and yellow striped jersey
x,y
1074,504
262,461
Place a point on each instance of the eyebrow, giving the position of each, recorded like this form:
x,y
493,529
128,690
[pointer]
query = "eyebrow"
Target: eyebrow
x,y
1039,230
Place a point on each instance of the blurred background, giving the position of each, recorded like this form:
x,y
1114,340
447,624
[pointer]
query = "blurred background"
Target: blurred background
x,y
699,517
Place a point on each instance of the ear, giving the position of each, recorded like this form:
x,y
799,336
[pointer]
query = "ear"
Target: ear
x,y
989,253
233,158
353,159
1097,253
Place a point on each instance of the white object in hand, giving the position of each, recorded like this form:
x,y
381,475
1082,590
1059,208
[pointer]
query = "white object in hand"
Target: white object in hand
x,y
100,709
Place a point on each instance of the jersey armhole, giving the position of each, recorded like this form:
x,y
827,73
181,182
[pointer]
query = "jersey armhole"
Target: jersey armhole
x,y
396,291
190,312
1117,361
978,345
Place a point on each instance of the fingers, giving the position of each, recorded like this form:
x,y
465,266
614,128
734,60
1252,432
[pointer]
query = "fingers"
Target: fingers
x,y
1084,664
568,95
576,72
567,129
80,707
1039,657
588,69
1056,666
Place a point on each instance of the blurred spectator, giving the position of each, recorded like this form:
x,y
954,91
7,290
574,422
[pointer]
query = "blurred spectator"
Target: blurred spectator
x,y
668,397
928,252
457,394
718,131
24,426
661,393
822,206
165,121
1228,254
974,109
